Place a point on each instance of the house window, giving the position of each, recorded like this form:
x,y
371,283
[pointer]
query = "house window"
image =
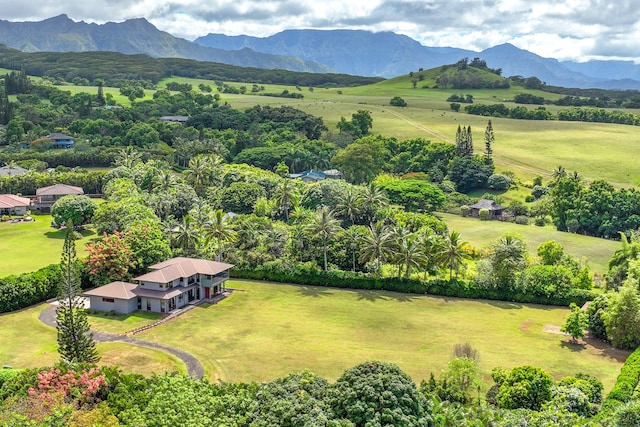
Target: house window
x,y
169,285
108,300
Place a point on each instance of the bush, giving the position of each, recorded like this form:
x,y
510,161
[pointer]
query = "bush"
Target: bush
x,y
628,381
498,182
464,211
522,220
455,106
529,198
484,214
396,101
539,191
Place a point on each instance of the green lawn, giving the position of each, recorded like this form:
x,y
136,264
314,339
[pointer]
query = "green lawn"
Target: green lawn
x,y
28,246
37,347
266,331
481,234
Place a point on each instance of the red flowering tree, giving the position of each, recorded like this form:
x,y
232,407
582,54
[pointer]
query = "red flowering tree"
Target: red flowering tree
x,y
109,259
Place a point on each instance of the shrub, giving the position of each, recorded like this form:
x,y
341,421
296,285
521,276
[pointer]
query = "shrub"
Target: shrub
x,y
455,106
522,220
628,380
483,214
464,211
529,198
540,221
498,182
396,101
525,387
539,191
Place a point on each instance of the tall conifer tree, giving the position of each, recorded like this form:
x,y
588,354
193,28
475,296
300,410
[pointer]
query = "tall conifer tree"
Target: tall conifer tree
x,y
489,139
75,341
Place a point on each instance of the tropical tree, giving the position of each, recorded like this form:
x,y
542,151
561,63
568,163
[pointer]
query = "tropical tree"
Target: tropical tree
x,y
431,245
78,209
186,236
218,228
576,323
453,252
202,171
377,245
75,341
324,225
350,204
410,254
287,197
128,157
373,198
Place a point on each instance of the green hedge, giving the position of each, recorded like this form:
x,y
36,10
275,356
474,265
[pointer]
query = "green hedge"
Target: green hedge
x,y
627,386
453,288
24,290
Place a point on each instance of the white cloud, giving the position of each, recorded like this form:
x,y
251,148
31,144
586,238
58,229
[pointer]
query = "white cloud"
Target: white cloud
x,y
563,29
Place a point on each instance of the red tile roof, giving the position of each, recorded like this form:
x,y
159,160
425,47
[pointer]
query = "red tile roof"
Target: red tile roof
x,y
59,190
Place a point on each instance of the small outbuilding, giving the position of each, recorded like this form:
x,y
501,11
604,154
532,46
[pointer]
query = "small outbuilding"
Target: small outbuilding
x,y
495,210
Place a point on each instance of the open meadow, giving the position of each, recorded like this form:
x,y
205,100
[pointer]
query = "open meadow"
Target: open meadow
x,y
29,246
264,331
594,251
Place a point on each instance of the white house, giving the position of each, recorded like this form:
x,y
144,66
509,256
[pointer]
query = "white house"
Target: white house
x,y
169,285
14,205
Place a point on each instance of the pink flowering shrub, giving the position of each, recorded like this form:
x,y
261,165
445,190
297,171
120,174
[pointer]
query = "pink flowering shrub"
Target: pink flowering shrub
x,y
76,387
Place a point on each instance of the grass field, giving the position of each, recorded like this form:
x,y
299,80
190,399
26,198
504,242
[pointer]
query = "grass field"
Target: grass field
x,y
38,347
481,234
266,331
28,246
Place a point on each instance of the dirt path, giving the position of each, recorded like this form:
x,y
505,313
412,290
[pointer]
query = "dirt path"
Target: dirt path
x,y
194,367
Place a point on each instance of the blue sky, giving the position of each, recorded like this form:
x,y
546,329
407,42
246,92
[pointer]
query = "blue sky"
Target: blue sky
x,y
562,29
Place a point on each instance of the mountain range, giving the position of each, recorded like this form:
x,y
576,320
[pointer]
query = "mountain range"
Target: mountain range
x,y
357,52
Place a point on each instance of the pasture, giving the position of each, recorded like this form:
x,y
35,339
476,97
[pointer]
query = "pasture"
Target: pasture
x,y
29,246
265,331
594,251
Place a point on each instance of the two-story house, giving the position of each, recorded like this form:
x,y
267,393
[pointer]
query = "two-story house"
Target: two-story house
x,y
169,285
47,196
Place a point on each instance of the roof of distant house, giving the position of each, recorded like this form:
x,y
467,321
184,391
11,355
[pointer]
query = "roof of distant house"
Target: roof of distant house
x,y
119,290
58,136
487,204
311,173
176,268
8,201
12,170
174,118
59,190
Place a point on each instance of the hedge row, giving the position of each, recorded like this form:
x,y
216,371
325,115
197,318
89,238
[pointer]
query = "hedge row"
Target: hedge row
x,y
24,290
453,288
627,386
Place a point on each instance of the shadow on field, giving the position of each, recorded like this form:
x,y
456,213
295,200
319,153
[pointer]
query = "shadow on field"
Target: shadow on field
x,y
607,349
313,291
573,346
504,304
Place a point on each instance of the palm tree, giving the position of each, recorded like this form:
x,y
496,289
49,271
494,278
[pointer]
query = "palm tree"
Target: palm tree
x,y
377,245
219,229
186,235
127,157
453,252
410,254
164,180
287,197
559,172
399,234
431,244
354,237
373,198
350,204
202,171
324,225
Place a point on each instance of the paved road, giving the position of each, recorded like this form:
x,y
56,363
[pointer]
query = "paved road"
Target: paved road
x,y
194,367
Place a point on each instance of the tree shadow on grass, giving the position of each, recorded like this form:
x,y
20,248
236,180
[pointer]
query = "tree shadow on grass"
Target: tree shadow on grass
x,y
61,233
575,346
504,304
370,295
313,291
607,349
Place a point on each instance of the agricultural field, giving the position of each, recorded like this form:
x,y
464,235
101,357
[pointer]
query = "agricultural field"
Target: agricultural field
x,y
29,246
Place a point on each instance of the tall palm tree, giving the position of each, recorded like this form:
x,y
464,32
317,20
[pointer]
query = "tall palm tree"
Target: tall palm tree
x,y
186,236
410,254
453,252
559,172
287,197
399,235
324,225
354,237
431,244
127,157
373,198
219,229
350,204
202,172
377,245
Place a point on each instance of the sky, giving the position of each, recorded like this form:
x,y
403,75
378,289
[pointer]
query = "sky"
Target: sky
x,y
561,29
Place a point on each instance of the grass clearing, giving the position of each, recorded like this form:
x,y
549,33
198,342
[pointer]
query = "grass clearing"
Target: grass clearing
x,y
121,323
481,234
139,360
29,246
266,331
